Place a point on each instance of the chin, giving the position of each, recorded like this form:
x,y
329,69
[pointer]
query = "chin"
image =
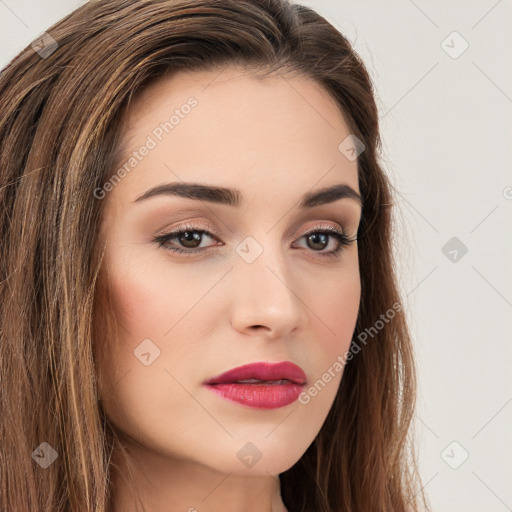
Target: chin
x,y
251,460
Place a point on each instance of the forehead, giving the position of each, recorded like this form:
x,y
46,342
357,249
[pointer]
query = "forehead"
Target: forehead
x,y
273,132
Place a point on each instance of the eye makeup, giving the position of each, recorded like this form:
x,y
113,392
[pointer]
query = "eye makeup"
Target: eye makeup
x,y
190,233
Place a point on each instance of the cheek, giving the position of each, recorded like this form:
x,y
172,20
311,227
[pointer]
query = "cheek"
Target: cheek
x,y
150,298
336,304
153,300
147,303
139,305
338,307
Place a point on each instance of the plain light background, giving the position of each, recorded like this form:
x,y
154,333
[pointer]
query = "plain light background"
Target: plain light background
x,y
446,128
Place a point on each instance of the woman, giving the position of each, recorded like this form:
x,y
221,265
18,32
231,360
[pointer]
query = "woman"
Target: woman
x,y
199,304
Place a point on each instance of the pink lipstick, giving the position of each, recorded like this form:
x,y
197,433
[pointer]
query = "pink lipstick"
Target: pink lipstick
x,y
260,385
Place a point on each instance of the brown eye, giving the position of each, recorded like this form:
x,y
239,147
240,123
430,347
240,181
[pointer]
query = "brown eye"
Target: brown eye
x,y
318,240
188,239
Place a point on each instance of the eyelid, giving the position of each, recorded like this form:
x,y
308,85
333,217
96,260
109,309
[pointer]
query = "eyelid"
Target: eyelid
x,y
318,227
198,226
191,225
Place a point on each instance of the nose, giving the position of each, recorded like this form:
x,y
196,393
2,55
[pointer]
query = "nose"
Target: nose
x,y
267,298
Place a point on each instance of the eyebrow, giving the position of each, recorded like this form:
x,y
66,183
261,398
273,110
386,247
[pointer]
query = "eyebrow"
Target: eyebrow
x,y
234,198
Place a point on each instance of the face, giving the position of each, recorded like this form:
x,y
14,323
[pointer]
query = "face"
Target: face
x,y
257,276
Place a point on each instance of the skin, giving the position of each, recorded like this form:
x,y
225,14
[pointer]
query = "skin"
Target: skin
x,y
274,139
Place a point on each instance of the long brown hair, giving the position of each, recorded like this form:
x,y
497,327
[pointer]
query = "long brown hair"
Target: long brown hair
x,y
59,131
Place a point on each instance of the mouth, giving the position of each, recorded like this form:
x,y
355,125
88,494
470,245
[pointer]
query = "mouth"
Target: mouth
x,y
264,382
260,385
269,373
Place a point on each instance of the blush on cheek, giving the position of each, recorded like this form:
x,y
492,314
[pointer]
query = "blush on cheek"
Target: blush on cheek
x,y
128,305
340,315
139,304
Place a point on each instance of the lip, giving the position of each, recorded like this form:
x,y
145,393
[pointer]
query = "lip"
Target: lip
x,y
262,371
260,395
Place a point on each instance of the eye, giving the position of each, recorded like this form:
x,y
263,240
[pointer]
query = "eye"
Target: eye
x,y
190,237
319,238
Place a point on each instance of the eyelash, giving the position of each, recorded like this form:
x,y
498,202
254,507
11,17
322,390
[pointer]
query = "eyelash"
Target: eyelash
x,y
342,238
